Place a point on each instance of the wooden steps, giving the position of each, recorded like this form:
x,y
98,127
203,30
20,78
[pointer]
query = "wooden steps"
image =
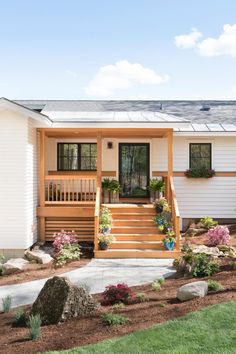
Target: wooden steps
x,y
136,235
135,253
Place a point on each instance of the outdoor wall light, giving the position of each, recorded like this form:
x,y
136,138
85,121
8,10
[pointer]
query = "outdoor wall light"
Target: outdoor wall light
x,y
110,145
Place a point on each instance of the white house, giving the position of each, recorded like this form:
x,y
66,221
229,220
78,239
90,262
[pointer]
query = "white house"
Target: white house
x,y
54,155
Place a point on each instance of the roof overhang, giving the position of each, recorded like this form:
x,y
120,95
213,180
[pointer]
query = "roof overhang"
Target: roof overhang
x,y
43,120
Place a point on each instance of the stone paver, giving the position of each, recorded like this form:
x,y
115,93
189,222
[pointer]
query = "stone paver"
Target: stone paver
x,y
96,275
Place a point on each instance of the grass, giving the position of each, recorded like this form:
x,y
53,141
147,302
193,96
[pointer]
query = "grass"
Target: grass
x,y
211,330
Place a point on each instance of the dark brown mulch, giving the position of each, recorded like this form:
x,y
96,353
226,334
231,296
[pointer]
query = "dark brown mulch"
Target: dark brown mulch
x,y
162,306
38,271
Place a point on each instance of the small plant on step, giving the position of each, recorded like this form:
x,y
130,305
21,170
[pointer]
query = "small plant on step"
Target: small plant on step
x,y
34,325
20,318
156,286
234,266
112,319
214,285
6,303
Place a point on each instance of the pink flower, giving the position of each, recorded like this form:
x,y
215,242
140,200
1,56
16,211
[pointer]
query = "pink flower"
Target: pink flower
x,y
218,235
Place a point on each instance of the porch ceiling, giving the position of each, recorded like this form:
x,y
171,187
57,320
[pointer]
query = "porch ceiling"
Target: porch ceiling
x,y
106,132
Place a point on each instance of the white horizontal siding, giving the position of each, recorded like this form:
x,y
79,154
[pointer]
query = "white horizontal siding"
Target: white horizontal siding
x,y
18,178
214,197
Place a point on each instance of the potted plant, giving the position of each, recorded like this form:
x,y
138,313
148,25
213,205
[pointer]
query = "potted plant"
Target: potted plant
x,y
105,190
161,205
156,187
104,241
169,240
105,221
162,222
114,189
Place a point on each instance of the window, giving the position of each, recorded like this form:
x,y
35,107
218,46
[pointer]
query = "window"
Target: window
x,y
77,157
200,155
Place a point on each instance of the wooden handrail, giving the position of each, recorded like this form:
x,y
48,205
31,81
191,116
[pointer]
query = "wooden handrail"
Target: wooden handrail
x,y
63,177
175,212
96,217
69,189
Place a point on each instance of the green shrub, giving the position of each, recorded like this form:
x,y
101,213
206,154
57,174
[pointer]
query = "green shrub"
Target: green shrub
x,y
208,223
112,319
6,303
161,281
34,325
68,253
199,172
214,285
234,266
203,265
156,285
20,318
118,307
141,297
2,258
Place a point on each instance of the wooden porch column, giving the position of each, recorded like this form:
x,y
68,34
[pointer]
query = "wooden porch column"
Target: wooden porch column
x,y
99,160
41,184
170,162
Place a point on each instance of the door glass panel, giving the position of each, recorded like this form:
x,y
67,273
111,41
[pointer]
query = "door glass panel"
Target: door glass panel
x,y
134,169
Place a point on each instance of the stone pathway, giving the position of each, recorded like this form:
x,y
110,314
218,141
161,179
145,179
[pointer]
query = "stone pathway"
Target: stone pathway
x,y
96,275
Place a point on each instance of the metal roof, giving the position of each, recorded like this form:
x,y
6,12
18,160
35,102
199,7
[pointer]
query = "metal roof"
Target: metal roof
x,y
220,118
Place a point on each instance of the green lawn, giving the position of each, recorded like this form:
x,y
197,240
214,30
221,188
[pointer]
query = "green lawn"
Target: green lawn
x,y
211,330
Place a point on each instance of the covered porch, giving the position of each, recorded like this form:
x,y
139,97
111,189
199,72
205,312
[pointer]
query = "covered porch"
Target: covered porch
x,y
71,199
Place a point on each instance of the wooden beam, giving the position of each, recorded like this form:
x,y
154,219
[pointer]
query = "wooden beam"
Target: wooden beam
x,y
99,160
170,161
41,184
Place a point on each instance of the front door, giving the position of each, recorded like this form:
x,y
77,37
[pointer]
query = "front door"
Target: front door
x,y
134,169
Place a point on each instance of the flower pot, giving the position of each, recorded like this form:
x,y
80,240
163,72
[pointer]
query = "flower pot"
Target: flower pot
x,y
114,197
106,230
106,196
159,209
103,246
169,246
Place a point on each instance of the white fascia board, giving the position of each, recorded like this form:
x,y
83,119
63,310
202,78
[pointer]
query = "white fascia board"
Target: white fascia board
x,y
209,133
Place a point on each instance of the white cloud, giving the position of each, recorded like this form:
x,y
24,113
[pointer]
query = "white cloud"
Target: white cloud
x,y
121,76
190,40
225,44
72,74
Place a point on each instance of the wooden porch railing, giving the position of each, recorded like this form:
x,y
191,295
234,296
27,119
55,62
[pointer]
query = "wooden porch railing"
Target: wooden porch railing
x,y
96,217
70,189
175,212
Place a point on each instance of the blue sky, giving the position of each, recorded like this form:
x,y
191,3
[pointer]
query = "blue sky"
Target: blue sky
x,y
124,49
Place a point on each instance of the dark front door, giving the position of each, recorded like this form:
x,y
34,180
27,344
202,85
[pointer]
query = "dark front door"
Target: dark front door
x,y
134,169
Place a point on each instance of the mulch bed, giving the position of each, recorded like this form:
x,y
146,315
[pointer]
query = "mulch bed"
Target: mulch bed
x,y
39,271
162,306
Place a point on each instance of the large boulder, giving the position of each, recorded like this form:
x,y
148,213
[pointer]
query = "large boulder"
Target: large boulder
x,y
60,300
14,265
192,290
212,251
38,256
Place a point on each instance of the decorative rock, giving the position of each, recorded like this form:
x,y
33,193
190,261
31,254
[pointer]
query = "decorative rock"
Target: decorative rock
x,y
38,256
60,300
195,231
192,290
14,265
229,251
212,251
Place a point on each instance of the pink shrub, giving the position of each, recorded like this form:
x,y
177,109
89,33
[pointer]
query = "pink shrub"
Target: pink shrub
x,y
64,238
218,235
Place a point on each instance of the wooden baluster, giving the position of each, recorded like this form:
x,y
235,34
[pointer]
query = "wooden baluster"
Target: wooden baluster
x,y
81,197
89,190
